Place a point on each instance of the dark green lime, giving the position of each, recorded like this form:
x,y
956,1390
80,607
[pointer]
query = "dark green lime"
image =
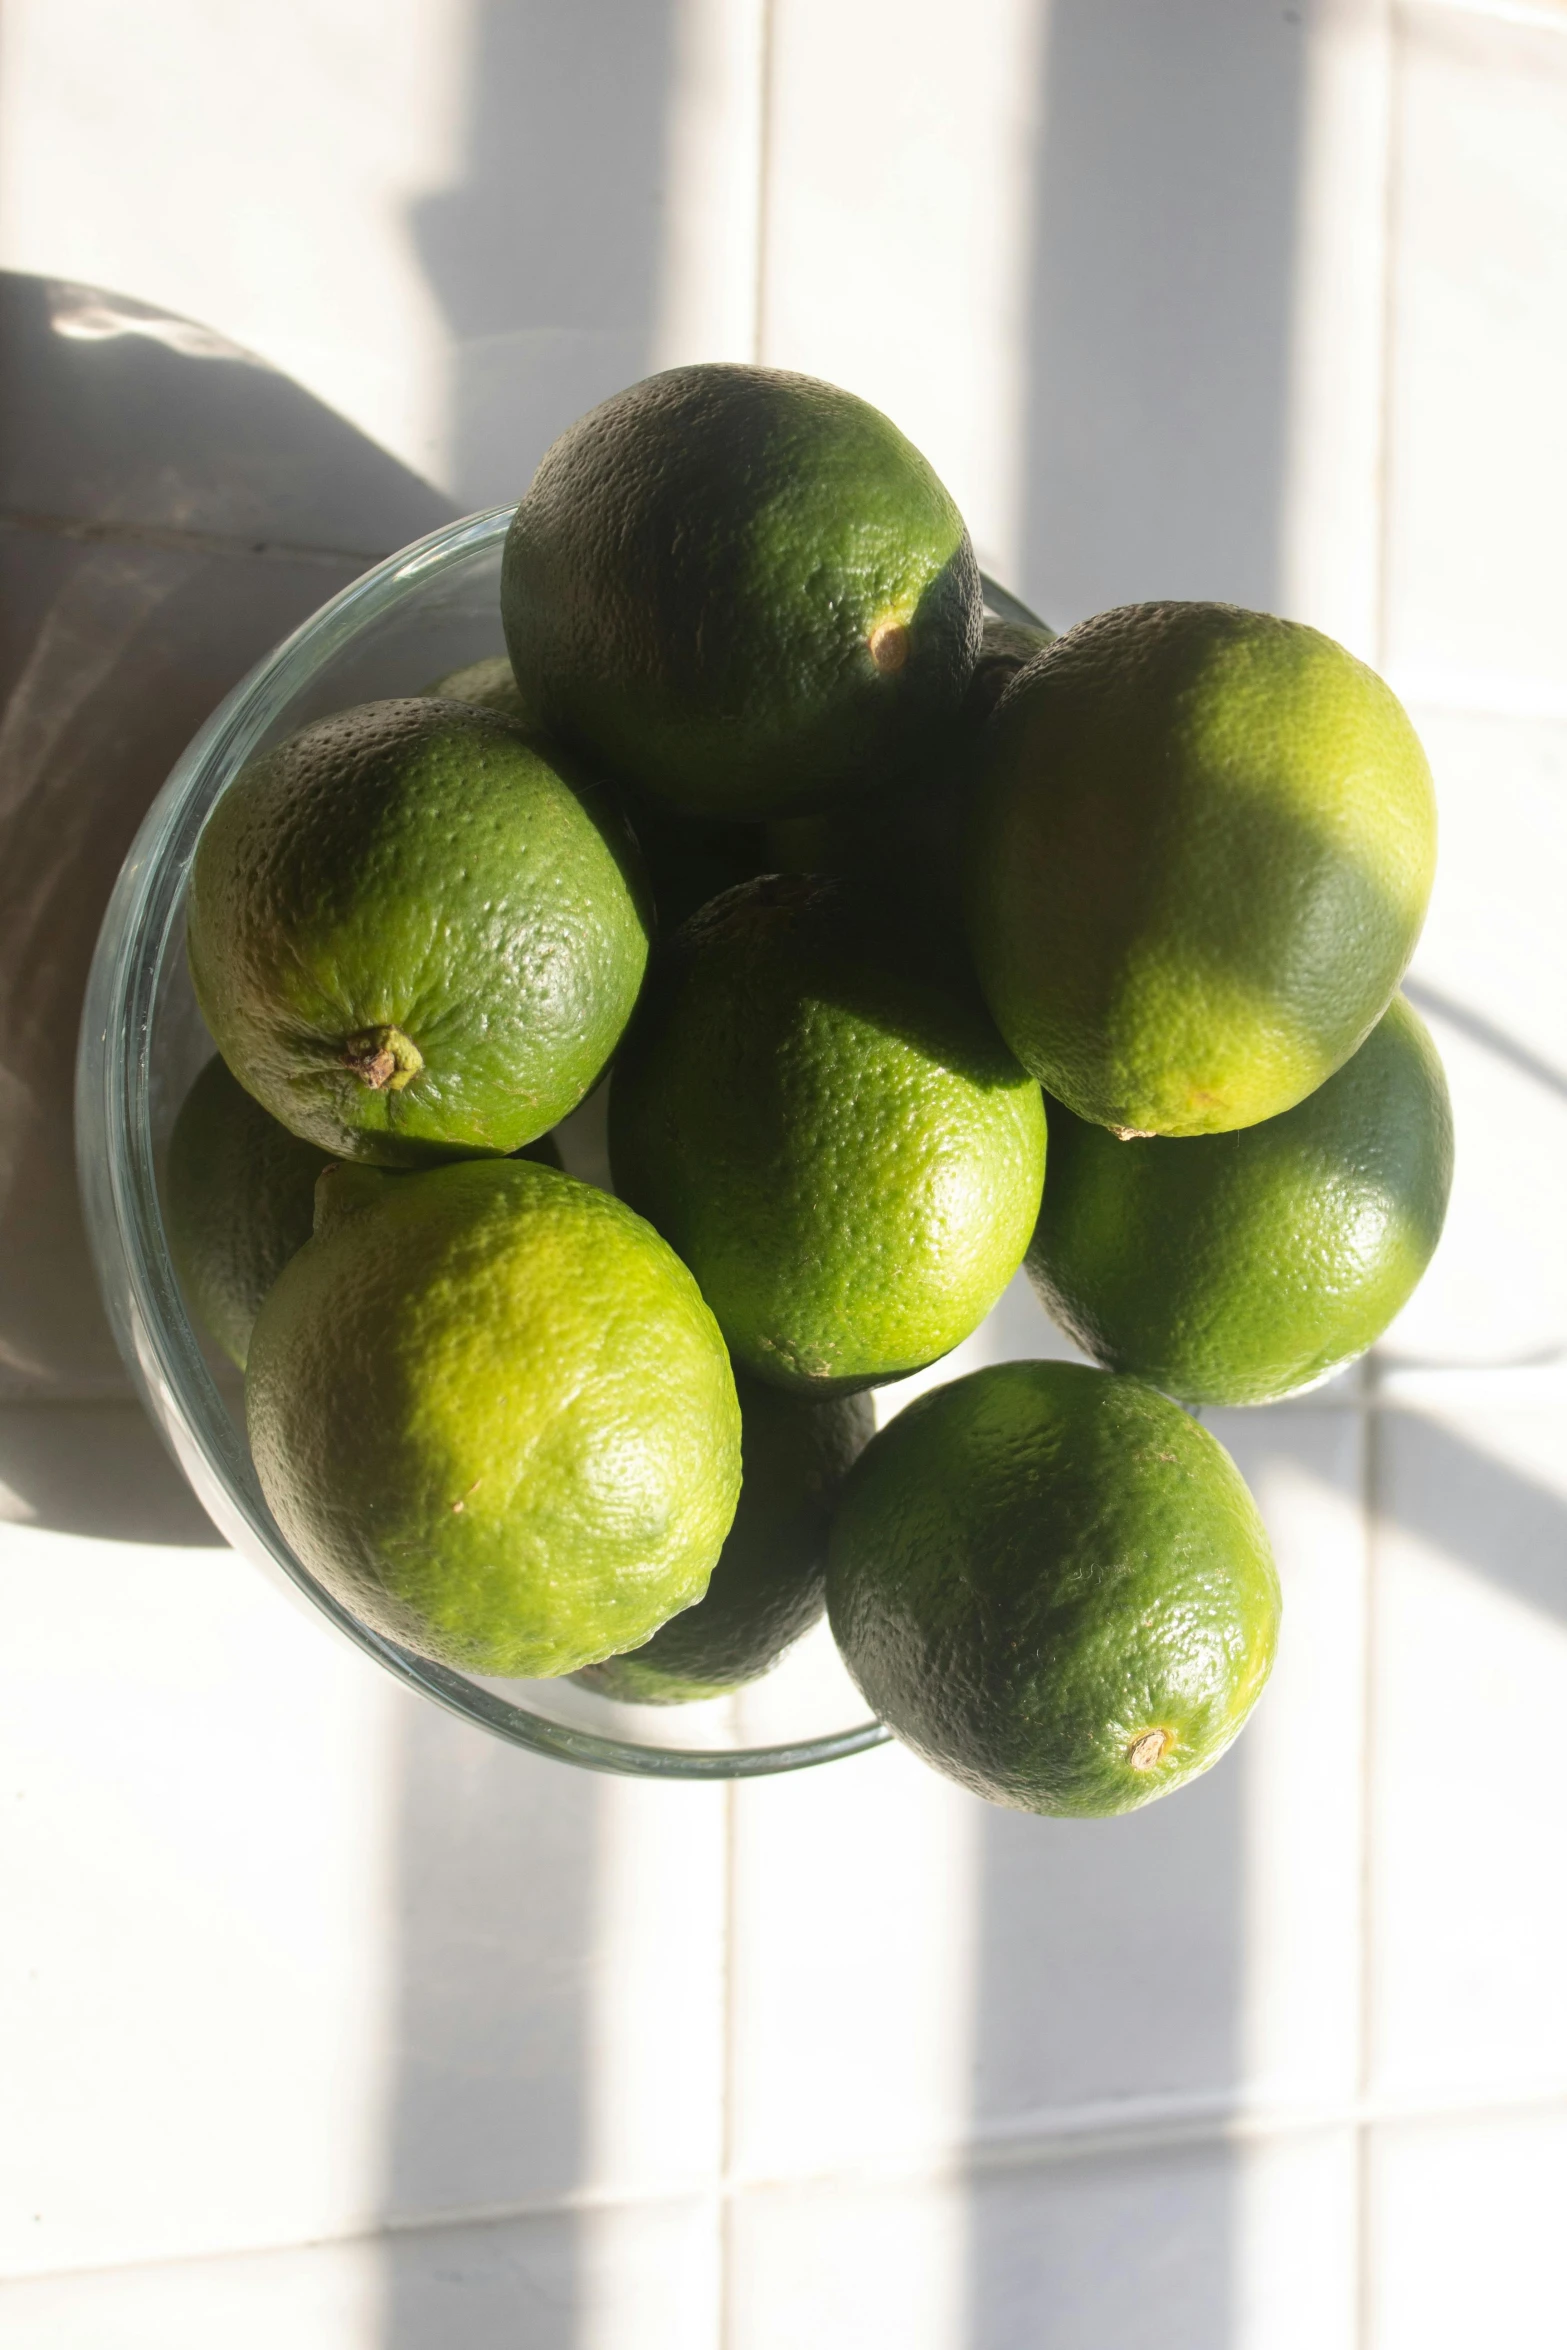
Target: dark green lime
x,y
740,591
1055,1587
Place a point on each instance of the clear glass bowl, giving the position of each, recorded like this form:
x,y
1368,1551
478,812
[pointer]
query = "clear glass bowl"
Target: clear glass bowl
x,y
411,619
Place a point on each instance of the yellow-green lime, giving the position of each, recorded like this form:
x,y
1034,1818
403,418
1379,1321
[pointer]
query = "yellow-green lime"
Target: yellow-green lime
x,y
825,1124
1055,1587
1200,856
412,935
740,591
1236,1268
769,1585
493,1416
240,1196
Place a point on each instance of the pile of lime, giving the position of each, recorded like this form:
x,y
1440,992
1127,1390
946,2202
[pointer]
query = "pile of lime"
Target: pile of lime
x,y
850,893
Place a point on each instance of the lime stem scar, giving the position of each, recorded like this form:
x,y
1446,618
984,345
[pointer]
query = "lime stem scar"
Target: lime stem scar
x,y
382,1058
1149,1750
889,645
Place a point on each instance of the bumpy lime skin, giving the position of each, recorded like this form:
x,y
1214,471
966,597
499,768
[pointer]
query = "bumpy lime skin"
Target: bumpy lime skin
x,y
769,1586
686,859
1199,860
832,1135
240,1196
415,866
493,1416
694,587
1042,1572
1238,1268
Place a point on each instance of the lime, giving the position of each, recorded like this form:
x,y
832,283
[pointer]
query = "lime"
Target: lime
x,y
767,1588
241,1198
740,591
833,1136
1236,1268
412,936
493,1417
488,685
1201,851
1055,1587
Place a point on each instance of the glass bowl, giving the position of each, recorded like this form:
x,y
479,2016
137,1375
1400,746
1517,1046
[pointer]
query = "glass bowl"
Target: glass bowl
x,y
421,613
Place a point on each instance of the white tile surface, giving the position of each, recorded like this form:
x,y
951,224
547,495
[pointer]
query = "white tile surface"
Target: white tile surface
x,y
1478,362
196,1799
1302,1764
1466,2232
897,228
854,1924
1470,1657
1192,2247
314,2297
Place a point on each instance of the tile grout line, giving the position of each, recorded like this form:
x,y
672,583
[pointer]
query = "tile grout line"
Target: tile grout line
x,y
727,2182
764,175
1087,2131
171,539
1370,1462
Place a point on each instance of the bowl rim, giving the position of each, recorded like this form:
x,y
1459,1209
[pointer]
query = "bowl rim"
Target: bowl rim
x,y
124,1220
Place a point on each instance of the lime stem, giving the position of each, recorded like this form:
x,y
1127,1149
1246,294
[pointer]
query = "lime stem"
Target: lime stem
x,y
382,1058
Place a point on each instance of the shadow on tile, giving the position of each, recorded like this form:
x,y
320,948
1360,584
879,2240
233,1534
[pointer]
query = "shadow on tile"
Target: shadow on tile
x,y
546,256
96,1469
169,508
1474,1508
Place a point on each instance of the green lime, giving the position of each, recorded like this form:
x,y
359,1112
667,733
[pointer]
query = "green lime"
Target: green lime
x,y
488,685
767,1588
1201,852
240,1196
740,592
412,936
1055,1587
687,859
1236,1268
830,1132
493,1417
